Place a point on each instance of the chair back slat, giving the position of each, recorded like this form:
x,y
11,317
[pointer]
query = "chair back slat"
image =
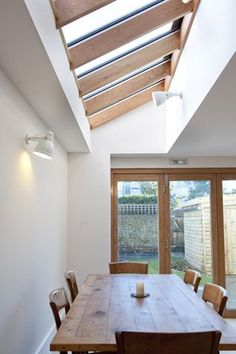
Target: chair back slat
x,y
128,267
72,284
192,277
216,295
168,343
58,301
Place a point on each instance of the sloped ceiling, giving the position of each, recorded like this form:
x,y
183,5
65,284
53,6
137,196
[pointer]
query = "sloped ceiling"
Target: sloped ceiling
x,y
212,130
24,59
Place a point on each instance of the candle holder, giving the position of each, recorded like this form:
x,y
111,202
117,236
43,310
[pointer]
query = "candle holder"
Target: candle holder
x,y
139,296
140,293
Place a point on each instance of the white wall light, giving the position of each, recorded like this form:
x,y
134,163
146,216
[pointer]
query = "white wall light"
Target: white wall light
x,y
160,97
186,1
44,147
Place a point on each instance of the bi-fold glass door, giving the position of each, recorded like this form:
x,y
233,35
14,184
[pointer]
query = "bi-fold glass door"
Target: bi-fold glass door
x,y
178,219
137,221
227,228
190,211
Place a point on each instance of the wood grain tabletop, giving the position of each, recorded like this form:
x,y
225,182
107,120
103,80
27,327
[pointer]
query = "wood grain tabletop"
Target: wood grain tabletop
x,y
104,305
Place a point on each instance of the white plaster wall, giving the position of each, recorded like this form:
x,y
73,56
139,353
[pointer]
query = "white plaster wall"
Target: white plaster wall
x,y
33,205
88,213
44,21
141,131
210,46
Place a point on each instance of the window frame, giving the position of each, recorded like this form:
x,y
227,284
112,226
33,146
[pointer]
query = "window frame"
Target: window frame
x,y
164,175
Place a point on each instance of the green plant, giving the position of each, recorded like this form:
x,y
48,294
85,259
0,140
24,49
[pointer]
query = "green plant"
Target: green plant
x,y
138,199
180,264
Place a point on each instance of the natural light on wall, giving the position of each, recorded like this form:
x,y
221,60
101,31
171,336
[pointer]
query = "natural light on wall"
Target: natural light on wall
x,y
25,169
174,108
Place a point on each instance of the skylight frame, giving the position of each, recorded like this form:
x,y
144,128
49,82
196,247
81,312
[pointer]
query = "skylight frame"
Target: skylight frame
x,y
175,27
132,74
125,31
129,63
109,24
123,106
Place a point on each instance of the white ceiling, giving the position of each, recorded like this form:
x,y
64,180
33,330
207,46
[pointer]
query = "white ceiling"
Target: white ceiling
x,y
25,61
212,129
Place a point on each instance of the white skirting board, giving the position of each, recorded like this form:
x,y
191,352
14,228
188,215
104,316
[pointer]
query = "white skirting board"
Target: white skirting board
x,y
44,346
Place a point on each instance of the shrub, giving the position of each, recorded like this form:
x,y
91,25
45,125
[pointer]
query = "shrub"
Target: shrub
x,y
138,199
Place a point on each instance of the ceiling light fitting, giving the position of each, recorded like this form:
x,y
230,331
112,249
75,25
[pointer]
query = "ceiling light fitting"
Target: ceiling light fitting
x,y
160,97
186,1
45,145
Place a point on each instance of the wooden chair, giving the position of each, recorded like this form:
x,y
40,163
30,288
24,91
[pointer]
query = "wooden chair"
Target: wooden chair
x,y
128,267
192,277
59,301
168,343
72,284
216,295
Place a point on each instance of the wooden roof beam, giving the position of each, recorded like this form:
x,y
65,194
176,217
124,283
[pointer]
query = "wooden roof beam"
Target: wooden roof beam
x,y
124,106
127,30
126,88
66,11
184,32
129,63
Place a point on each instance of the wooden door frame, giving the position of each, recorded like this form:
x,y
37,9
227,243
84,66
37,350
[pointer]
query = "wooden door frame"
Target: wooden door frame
x,y
136,177
211,177
230,313
216,176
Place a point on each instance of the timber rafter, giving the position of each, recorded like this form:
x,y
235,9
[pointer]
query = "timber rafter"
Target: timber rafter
x,y
124,106
129,63
127,88
128,30
126,82
67,11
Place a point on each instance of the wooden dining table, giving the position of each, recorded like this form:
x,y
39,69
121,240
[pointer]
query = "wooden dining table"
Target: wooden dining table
x,y
105,305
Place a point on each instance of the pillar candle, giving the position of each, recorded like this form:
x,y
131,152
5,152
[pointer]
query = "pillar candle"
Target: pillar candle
x,y
139,288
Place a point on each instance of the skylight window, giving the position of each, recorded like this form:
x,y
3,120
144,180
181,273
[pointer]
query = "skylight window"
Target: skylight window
x,y
103,18
122,50
125,49
128,76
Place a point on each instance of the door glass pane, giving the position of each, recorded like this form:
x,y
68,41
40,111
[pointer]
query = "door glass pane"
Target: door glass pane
x,y
229,207
138,222
191,228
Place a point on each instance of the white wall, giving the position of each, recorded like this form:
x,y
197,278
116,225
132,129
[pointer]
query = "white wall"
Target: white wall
x,y
76,124
210,46
141,131
33,205
88,213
